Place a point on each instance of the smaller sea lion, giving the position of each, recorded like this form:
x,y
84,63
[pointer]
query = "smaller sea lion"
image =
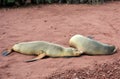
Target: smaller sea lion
x,y
42,49
90,46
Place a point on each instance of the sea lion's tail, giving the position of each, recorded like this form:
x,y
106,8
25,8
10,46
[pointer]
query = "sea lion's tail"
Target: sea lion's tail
x,y
7,52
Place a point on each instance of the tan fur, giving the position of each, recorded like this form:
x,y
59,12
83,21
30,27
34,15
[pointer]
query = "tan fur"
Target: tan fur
x,y
90,46
42,49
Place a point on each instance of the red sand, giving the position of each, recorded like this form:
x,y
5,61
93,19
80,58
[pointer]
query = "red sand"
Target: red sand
x,y
56,23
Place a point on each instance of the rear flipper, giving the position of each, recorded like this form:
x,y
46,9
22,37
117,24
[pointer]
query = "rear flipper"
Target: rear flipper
x,y
37,58
115,50
7,52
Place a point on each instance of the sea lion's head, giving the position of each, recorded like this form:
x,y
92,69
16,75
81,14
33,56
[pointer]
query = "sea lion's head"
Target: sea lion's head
x,y
77,52
73,52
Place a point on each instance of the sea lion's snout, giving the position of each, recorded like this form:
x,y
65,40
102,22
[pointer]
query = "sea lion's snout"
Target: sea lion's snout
x,y
77,52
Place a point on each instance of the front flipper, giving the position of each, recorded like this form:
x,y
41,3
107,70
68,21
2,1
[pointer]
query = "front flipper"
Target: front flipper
x,y
37,58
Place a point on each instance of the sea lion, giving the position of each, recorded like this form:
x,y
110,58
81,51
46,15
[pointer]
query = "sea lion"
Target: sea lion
x,y
42,49
90,46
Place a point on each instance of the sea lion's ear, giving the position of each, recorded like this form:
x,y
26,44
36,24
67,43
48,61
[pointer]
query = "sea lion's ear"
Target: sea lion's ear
x,y
90,37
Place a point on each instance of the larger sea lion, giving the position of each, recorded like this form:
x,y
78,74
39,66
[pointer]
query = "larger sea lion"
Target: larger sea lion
x,y
91,46
42,49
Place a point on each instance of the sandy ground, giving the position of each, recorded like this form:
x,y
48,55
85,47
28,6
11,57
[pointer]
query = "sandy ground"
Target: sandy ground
x,y
57,23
